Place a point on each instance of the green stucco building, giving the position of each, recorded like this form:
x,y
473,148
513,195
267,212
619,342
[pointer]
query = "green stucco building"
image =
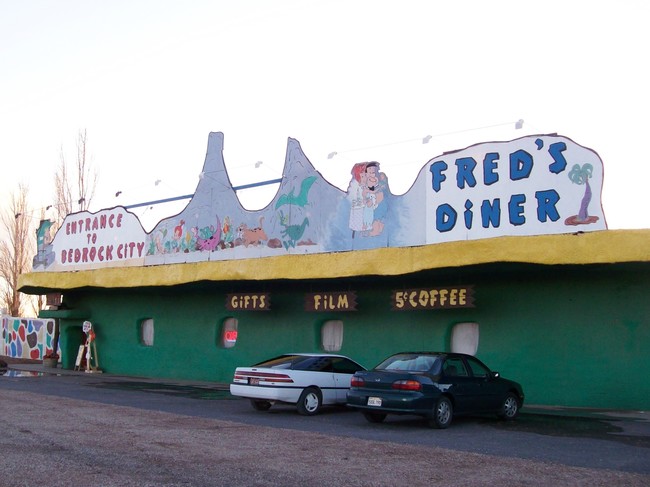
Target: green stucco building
x,y
565,315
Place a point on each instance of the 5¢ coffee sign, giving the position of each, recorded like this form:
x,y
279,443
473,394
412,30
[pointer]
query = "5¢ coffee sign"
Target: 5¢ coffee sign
x,y
433,298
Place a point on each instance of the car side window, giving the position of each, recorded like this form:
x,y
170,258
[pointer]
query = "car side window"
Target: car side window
x,y
454,367
316,364
478,369
341,365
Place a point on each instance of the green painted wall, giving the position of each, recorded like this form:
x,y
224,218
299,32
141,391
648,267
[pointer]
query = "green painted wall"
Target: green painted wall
x,y
573,336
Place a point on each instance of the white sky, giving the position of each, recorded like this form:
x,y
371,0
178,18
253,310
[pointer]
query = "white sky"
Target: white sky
x,y
149,80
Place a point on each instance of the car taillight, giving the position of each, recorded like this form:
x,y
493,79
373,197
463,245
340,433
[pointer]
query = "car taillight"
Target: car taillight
x,y
357,382
407,385
256,377
268,377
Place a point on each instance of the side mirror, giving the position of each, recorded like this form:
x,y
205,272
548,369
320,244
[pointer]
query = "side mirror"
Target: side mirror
x,y
495,375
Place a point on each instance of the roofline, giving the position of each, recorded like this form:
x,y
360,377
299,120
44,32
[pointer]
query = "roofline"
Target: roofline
x,y
599,247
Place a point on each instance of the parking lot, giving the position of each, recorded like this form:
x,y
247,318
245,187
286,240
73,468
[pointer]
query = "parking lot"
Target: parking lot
x,y
119,429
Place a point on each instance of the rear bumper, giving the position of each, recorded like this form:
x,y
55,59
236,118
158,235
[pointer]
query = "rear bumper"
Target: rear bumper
x,y
414,403
281,394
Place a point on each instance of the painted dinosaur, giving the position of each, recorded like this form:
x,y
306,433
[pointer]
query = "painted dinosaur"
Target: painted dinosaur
x,y
299,200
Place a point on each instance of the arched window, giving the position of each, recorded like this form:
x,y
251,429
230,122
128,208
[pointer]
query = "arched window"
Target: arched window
x,y
229,333
332,335
464,338
146,332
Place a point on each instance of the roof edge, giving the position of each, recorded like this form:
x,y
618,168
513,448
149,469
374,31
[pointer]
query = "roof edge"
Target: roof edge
x,y
600,247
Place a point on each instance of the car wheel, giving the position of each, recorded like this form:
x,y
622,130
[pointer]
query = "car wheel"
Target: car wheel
x,y
310,401
260,405
509,408
374,417
442,413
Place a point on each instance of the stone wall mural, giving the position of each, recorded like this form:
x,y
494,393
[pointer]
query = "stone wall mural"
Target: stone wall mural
x,y
27,338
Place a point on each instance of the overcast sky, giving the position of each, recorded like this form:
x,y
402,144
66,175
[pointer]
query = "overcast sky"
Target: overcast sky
x,y
149,80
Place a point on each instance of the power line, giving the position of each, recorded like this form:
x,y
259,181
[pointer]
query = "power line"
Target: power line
x,y
426,139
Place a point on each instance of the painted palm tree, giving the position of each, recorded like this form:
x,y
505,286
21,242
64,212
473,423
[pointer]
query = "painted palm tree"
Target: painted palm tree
x,y
580,175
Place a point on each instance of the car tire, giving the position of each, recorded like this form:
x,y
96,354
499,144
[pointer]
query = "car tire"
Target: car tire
x,y
260,405
310,401
442,413
375,417
509,409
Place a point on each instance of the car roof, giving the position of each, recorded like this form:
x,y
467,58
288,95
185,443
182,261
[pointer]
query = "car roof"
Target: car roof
x,y
308,354
447,354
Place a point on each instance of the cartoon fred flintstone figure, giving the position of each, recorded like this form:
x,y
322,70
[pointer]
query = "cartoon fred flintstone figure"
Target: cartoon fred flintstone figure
x,y
367,197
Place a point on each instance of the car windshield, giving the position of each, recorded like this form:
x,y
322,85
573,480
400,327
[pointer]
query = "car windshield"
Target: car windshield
x,y
297,362
412,362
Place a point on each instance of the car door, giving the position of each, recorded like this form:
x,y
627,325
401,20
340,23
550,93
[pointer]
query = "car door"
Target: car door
x,y
486,388
456,380
318,372
343,369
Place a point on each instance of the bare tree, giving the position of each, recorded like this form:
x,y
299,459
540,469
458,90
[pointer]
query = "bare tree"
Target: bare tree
x,y
62,191
86,179
65,202
17,250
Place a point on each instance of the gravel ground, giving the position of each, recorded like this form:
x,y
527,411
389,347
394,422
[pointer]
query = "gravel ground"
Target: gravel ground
x,y
84,443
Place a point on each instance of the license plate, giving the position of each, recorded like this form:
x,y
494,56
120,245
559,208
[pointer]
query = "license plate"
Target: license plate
x,y
253,381
374,401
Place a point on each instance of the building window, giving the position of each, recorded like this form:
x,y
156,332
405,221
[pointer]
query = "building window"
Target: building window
x,y
229,333
146,332
332,335
464,338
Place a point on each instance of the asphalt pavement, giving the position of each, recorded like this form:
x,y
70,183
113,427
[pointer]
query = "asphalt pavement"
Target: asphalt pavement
x,y
617,441
571,412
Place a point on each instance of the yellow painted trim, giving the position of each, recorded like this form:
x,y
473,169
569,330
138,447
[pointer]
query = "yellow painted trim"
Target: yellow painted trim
x,y
605,247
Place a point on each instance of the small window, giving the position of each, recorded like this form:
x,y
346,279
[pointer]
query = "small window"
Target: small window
x,y
229,333
464,338
314,364
454,367
146,332
478,369
332,335
342,365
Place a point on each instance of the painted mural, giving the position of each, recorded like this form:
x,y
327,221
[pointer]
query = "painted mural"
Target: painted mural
x,y
535,185
26,338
